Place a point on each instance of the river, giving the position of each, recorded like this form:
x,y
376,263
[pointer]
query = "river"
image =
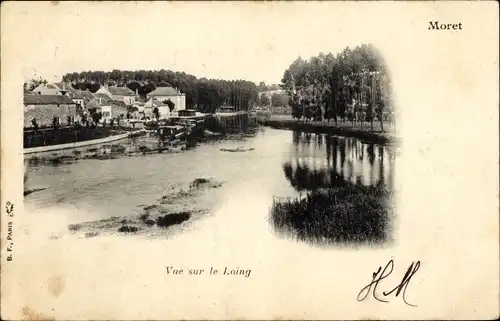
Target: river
x,y
269,163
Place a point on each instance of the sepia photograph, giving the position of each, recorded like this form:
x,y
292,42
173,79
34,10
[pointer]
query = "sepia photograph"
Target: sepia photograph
x,y
178,141
247,160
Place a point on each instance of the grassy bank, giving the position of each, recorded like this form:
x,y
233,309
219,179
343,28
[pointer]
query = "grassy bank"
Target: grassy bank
x,y
346,129
348,214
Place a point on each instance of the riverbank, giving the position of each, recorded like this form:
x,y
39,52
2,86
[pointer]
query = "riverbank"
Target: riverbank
x,y
346,129
344,215
177,207
68,135
73,146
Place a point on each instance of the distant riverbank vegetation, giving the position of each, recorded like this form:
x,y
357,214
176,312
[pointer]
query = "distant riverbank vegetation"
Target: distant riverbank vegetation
x,y
354,85
203,94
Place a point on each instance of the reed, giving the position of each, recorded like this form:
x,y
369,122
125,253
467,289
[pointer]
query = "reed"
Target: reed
x,y
347,214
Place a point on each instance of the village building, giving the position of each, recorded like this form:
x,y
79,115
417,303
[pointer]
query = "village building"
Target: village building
x,y
270,93
75,95
110,110
87,98
87,95
43,108
164,94
48,89
139,104
152,104
123,94
102,98
93,106
60,89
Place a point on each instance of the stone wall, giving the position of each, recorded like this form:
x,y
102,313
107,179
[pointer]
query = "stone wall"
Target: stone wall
x,y
44,114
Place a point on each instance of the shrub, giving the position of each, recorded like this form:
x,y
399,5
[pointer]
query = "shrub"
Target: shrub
x,y
171,219
128,229
344,214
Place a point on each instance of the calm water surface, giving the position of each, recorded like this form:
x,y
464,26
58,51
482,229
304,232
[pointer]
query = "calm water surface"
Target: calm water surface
x,y
282,163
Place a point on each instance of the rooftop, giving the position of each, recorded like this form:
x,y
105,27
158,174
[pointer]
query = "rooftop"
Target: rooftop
x,y
139,100
102,97
47,100
121,91
164,91
157,103
87,94
93,104
73,93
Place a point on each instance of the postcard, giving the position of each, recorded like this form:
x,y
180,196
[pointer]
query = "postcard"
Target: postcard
x,y
249,160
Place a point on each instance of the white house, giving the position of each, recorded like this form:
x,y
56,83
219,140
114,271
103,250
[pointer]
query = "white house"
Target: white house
x,y
110,110
151,104
118,93
168,93
270,93
139,104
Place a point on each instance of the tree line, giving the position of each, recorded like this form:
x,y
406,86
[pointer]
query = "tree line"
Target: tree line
x,y
263,87
275,100
354,85
203,94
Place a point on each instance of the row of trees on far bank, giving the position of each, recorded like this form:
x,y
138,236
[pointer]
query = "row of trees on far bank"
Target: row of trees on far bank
x,y
353,85
276,100
203,94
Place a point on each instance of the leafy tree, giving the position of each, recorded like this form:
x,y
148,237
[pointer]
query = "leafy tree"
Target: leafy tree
x,y
170,104
34,124
33,83
288,81
297,111
96,117
146,89
55,123
331,83
276,100
156,113
134,86
264,100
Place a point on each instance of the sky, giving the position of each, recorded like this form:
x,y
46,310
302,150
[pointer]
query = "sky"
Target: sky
x,y
254,41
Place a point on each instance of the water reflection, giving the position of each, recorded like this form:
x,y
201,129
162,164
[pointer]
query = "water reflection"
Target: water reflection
x,y
348,186
321,161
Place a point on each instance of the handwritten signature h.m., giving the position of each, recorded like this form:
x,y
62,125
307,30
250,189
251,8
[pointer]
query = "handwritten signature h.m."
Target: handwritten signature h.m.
x,y
380,274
